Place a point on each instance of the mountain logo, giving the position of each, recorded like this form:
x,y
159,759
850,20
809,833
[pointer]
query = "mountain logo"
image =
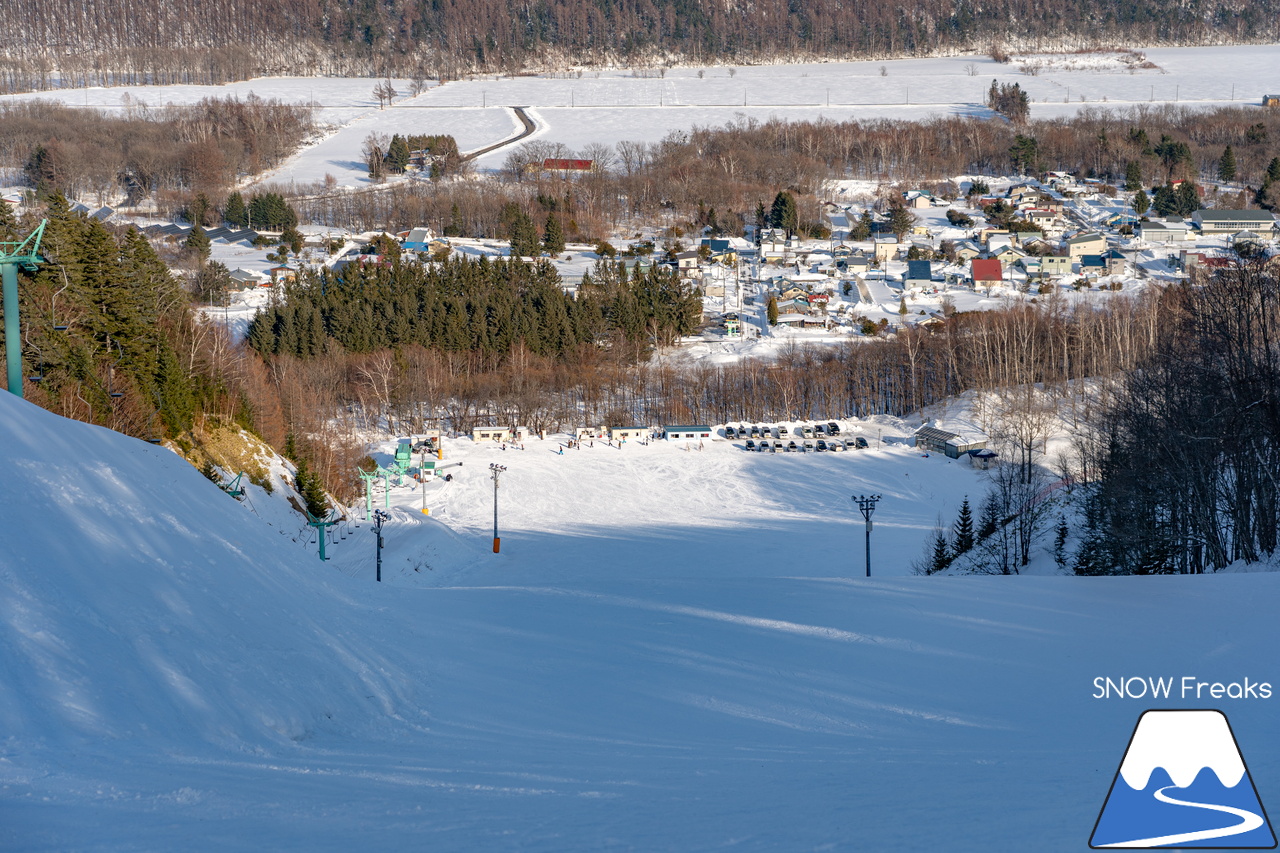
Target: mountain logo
x,y
1183,783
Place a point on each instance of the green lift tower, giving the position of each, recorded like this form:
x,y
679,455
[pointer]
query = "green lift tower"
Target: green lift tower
x,y
14,254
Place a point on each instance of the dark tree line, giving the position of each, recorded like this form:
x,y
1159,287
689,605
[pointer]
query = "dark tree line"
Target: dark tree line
x,y
108,42
486,307
105,329
1010,101
1187,454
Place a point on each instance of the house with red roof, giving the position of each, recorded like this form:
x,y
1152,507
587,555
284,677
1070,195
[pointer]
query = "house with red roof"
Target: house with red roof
x,y
986,271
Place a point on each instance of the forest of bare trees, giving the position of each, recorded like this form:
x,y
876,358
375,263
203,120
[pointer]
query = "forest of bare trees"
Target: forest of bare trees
x,y
112,42
1187,453
171,151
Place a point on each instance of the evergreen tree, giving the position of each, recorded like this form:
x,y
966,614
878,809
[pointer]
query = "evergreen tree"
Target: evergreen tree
x,y
1264,196
762,220
861,230
1227,165
962,530
988,518
455,227
1025,153
901,220
1133,176
771,310
293,239
397,157
784,213
270,212
198,209
1166,201
1172,154
941,553
1060,544
311,490
1273,170
524,237
1091,558
902,307
235,213
198,243
553,236
1141,204
8,223
1187,199
177,397
47,169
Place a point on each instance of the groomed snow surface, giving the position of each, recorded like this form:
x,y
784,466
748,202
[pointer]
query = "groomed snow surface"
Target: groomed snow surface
x,y
675,650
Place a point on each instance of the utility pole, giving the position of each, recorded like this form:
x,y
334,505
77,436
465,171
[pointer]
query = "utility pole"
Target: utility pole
x,y
497,470
378,518
867,505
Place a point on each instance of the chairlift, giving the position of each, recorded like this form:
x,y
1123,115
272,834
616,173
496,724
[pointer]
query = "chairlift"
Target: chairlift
x,y
235,488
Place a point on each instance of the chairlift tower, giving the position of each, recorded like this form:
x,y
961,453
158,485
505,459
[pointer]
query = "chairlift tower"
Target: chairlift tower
x,y
15,254
322,525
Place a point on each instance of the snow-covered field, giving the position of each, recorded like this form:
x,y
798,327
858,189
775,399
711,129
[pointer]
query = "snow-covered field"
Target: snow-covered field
x,y
675,650
616,106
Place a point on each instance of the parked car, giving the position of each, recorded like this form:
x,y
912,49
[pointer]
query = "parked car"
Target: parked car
x,y
861,443
836,445
806,431
820,429
808,445
821,445
792,447
730,433
755,431
777,447
833,428
751,444
782,429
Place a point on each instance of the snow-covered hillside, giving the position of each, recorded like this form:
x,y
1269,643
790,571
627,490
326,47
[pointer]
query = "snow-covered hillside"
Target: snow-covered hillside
x,y
694,676
614,105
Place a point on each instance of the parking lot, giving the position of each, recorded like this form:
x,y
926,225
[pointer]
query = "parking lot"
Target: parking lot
x,y
802,437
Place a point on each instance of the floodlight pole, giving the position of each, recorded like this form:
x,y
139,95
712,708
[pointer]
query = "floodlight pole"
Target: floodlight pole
x,y
497,470
378,518
867,505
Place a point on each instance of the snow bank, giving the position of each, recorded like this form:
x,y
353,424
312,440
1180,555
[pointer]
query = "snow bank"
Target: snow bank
x,y
139,601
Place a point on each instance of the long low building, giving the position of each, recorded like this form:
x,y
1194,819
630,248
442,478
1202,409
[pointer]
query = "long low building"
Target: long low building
x,y
1261,222
686,433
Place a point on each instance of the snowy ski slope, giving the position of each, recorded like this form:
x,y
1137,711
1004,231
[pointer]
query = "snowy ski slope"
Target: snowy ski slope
x,y
708,671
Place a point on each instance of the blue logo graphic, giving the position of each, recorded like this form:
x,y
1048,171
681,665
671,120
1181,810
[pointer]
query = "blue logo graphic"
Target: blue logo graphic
x,y
1183,783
